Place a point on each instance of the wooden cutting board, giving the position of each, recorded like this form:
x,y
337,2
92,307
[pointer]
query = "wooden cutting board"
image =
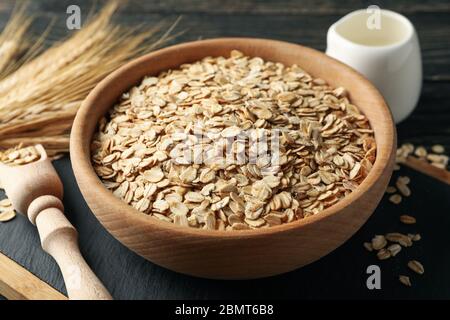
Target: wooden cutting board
x,y
17,283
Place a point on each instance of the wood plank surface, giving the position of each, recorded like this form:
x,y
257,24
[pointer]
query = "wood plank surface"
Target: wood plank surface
x,y
304,22
257,7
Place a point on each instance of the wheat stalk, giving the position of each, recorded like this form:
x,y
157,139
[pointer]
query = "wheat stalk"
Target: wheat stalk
x,y
39,101
14,41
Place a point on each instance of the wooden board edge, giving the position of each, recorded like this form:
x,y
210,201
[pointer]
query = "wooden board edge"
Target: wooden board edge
x,y
17,283
424,167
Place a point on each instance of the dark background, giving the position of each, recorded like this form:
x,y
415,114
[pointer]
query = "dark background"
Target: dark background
x,y
339,275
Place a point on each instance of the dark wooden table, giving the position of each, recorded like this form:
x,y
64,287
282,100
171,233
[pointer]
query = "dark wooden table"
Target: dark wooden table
x,y
342,274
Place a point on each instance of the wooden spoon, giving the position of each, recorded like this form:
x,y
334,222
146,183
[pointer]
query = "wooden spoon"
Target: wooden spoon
x,y
35,189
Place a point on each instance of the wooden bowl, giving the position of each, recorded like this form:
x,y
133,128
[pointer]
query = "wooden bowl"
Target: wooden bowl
x,y
238,254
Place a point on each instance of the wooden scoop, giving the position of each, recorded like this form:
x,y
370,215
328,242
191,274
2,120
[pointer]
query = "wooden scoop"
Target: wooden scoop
x,y
35,189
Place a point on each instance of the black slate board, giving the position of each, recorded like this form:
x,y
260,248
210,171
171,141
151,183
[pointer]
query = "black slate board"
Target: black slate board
x,y
340,275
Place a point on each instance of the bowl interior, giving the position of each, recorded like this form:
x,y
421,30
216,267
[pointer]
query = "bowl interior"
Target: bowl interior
x,y
362,94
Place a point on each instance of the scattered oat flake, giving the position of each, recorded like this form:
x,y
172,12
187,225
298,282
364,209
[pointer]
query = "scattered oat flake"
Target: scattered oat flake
x,y
404,179
437,148
416,266
379,242
5,203
391,190
368,246
395,199
7,215
439,165
402,186
394,249
405,280
383,254
417,237
421,152
399,238
407,219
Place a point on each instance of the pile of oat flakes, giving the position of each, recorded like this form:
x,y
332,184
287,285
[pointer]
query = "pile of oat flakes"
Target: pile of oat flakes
x,y
233,143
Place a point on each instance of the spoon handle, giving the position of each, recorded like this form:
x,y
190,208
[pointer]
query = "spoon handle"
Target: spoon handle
x,y
60,239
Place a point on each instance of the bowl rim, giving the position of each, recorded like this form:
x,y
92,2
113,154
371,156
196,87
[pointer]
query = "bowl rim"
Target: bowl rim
x,y
83,168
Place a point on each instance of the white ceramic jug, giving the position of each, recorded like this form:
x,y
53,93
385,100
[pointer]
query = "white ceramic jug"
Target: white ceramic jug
x,y
383,46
